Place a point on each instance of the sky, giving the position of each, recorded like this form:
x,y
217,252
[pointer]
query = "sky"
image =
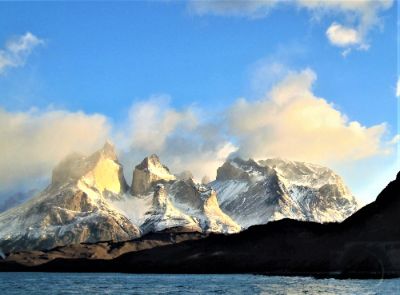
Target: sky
x,y
199,81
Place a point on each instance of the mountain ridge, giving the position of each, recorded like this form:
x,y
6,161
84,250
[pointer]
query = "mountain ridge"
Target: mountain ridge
x,y
250,190
89,200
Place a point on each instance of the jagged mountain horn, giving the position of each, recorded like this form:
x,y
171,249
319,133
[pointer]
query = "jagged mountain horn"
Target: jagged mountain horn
x,y
148,173
74,208
101,170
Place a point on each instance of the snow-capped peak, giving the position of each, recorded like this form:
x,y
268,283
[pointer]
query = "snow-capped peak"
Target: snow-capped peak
x,y
301,173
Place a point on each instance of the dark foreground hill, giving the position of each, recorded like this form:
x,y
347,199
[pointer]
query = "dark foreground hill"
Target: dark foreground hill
x,y
365,245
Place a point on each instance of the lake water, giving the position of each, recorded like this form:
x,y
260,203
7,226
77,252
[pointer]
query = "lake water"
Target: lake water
x,y
93,283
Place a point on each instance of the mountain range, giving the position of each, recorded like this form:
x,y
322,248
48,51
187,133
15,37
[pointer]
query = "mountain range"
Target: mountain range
x,y
89,201
365,245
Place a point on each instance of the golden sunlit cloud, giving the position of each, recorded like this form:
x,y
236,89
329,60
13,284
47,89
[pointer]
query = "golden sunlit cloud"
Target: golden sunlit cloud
x,y
292,122
33,142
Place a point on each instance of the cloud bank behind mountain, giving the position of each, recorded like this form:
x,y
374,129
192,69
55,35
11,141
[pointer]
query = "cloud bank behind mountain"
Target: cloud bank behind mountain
x,y
289,121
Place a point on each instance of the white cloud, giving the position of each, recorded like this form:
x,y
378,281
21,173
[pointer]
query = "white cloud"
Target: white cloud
x,y
342,36
292,122
17,50
33,142
398,87
360,15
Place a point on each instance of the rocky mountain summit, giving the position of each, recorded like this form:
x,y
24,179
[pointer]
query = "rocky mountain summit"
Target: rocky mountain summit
x,y
148,173
256,193
89,200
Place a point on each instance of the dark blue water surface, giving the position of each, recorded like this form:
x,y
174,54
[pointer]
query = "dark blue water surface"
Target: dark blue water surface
x,y
114,283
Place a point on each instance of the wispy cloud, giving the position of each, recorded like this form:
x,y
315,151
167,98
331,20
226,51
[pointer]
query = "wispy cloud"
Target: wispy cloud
x,y
358,18
16,51
152,121
184,139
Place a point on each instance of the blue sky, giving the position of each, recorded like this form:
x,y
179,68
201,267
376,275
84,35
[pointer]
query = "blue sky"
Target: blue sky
x,y
110,58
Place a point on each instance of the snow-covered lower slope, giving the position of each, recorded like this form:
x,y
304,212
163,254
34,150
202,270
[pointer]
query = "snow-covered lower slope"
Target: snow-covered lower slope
x,y
255,193
70,215
164,215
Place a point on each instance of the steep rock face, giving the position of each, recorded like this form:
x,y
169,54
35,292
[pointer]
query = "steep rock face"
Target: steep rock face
x,y
100,171
201,202
148,173
255,193
73,209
